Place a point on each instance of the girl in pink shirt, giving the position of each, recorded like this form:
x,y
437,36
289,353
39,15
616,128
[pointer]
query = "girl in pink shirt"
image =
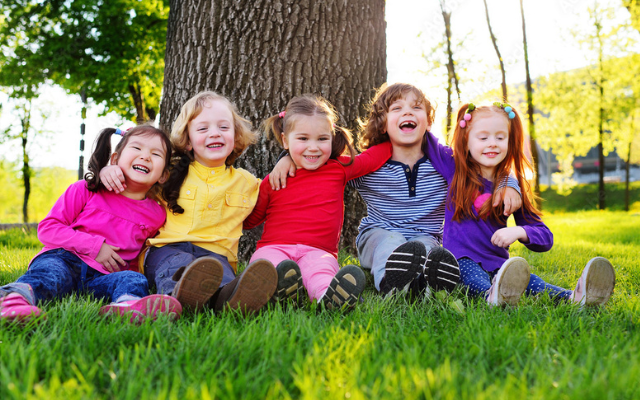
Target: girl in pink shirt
x,y
302,222
92,237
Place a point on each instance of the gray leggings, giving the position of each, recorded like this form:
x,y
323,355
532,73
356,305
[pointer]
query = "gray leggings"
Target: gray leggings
x,y
376,245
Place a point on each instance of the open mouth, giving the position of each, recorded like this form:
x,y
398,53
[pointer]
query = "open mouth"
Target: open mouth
x,y
408,125
312,158
141,168
214,146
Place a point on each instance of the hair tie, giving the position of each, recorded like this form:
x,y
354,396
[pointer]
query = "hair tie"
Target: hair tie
x,y
119,132
507,108
282,114
467,115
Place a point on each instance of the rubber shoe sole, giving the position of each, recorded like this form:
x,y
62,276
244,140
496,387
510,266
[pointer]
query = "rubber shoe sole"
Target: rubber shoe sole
x,y
595,286
148,307
290,284
256,286
441,269
345,288
403,266
510,282
199,281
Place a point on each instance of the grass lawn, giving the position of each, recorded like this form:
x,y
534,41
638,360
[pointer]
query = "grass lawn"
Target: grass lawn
x,y
387,349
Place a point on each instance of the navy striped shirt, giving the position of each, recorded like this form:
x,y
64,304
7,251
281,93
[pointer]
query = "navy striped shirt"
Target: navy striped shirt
x,y
402,200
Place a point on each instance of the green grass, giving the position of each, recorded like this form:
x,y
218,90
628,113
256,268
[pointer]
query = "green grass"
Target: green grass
x,y
389,349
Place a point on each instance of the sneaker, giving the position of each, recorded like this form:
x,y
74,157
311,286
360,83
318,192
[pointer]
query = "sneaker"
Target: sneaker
x,y
15,307
198,282
345,288
289,283
596,283
509,283
148,307
403,266
253,288
441,269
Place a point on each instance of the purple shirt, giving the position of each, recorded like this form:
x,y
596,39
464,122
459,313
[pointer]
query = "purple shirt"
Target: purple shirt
x,y
81,220
472,238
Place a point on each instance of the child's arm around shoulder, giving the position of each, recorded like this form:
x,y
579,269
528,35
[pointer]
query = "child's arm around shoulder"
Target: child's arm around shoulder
x,y
440,156
259,213
369,160
112,178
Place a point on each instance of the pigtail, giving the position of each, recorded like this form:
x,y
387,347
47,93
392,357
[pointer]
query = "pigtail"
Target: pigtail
x,y
342,144
99,158
177,174
274,127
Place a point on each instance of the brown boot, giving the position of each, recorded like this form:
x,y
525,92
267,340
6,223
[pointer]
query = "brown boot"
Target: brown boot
x,y
251,290
197,282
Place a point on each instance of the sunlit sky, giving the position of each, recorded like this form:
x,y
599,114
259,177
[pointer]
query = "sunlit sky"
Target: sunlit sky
x,y
414,28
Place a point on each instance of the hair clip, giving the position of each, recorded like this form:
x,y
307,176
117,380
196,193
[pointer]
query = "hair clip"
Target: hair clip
x,y
507,108
282,114
467,115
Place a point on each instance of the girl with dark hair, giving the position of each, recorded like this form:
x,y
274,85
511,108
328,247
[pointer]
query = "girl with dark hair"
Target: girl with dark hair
x,y
92,237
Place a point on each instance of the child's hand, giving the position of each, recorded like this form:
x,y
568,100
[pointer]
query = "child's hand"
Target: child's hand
x,y
512,200
112,178
109,259
278,177
506,236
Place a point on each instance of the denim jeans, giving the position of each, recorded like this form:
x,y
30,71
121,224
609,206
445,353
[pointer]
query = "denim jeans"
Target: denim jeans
x,y
58,273
478,281
376,245
163,262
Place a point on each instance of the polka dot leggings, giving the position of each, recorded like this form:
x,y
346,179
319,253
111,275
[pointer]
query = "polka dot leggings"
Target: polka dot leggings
x,y
478,281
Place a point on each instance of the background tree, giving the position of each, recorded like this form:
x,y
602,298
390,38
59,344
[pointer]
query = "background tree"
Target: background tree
x,y
495,46
260,54
112,50
452,76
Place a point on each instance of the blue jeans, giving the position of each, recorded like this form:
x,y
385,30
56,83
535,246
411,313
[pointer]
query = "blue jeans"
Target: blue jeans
x,y
57,273
376,245
163,262
478,281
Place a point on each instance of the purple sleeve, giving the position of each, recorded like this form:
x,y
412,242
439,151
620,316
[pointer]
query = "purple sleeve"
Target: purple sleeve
x,y
540,236
55,229
441,157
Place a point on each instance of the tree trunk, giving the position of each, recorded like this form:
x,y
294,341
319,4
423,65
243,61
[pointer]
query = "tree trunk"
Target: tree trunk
x,y
627,176
451,69
495,46
26,170
138,102
532,135
261,53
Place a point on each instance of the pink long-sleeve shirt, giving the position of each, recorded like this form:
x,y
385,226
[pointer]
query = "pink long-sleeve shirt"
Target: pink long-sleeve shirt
x,y
81,221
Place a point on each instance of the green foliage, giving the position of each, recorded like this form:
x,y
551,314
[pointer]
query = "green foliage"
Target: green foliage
x,y
385,349
585,197
112,50
47,184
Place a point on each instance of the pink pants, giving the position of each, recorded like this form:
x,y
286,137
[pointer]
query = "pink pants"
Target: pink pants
x,y
317,266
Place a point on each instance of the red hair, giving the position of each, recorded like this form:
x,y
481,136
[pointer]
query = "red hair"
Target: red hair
x,y
467,180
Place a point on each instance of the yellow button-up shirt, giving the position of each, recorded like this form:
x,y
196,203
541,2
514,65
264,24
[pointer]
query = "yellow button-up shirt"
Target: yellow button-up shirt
x,y
216,201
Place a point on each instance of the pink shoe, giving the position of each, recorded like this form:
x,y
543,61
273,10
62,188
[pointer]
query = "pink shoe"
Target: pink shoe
x,y
148,307
14,307
510,282
596,283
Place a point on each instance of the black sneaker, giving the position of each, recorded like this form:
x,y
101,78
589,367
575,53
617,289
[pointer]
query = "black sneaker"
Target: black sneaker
x,y
345,288
441,270
404,265
289,283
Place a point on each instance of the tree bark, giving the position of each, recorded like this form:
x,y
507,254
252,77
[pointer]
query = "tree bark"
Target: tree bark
x,y
626,180
451,69
532,135
26,170
495,46
261,53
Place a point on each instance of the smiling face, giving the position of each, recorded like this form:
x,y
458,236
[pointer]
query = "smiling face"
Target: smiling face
x,y
407,121
142,161
488,141
212,134
309,141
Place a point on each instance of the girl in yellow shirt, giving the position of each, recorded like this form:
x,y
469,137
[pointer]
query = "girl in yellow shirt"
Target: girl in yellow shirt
x,y
194,256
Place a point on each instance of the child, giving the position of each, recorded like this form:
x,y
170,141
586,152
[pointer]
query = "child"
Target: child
x,y
399,239
303,222
488,142
92,237
194,257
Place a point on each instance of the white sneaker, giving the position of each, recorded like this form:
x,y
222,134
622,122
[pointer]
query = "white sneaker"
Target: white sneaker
x,y
510,282
596,283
